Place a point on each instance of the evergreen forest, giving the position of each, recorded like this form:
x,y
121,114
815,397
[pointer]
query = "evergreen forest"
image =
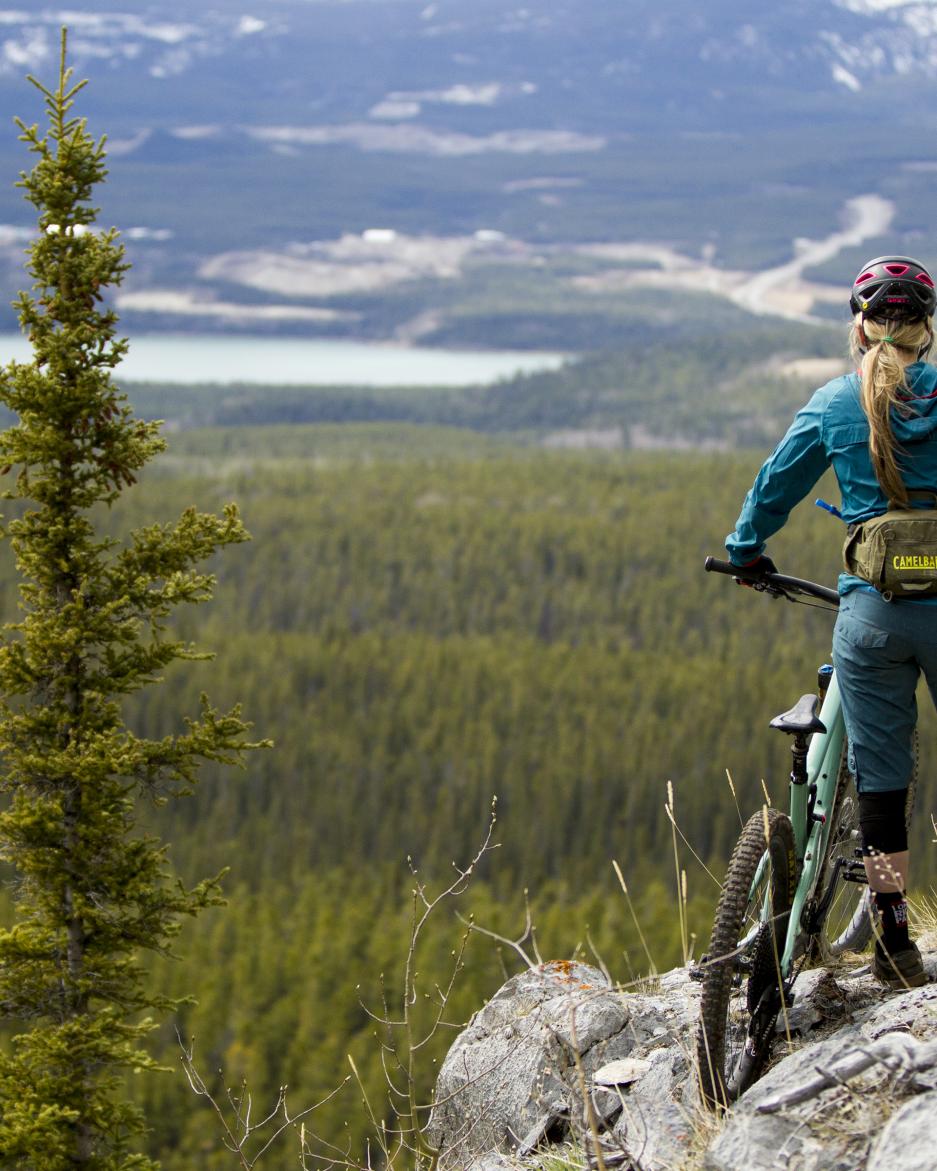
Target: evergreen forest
x,y
502,715
429,618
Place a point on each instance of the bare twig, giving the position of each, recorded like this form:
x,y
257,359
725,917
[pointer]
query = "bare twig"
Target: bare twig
x,y
401,1134
405,1134
898,1052
238,1134
514,944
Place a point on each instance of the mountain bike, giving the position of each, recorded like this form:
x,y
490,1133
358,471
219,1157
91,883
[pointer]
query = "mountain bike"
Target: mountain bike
x,y
795,890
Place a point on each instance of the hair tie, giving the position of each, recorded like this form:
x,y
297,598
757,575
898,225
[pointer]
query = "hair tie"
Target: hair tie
x,y
887,338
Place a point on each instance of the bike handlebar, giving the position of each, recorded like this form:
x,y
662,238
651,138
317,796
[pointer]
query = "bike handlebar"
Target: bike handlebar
x,y
776,584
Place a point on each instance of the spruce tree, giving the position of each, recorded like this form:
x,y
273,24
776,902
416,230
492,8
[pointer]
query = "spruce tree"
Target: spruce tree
x,y
92,891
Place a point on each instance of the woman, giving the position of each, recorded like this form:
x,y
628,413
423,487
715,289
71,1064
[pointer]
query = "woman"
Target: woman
x,y
877,428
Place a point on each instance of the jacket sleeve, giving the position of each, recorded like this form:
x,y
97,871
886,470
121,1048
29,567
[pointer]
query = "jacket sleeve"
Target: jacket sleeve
x,y
799,460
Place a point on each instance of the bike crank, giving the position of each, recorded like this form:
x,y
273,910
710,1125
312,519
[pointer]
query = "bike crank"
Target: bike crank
x,y
757,1040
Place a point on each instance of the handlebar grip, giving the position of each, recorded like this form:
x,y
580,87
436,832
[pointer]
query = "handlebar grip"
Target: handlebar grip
x,y
714,565
775,584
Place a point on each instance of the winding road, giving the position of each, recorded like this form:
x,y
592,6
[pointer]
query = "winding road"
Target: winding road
x,y
783,292
779,292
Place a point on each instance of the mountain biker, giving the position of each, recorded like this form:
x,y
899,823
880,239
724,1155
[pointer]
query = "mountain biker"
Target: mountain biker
x,y
877,428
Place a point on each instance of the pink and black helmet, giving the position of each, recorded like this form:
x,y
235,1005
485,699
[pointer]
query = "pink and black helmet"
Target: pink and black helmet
x,y
894,287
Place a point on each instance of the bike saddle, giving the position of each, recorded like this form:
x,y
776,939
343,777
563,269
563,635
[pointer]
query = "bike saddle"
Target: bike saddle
x,y
802,718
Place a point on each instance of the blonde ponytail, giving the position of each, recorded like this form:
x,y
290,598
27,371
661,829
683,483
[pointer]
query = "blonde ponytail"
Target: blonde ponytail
x,y
884,349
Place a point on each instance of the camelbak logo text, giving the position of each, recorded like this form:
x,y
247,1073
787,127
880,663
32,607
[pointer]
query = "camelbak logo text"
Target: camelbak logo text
x,y
916,562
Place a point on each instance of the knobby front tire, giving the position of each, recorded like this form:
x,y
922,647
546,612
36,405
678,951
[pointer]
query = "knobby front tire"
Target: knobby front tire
x,y
742,973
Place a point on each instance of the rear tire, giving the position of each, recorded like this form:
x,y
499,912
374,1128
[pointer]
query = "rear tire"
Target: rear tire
x,y
742,980
848,923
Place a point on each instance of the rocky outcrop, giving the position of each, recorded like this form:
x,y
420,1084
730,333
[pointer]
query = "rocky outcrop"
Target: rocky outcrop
x,y
560,1054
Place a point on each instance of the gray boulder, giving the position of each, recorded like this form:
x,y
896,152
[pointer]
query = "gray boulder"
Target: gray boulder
x,y
909,1138
522,1072
751,1141
559,1054
816,1134
511,1078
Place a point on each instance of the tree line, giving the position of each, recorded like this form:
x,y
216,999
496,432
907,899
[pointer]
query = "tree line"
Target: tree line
x,y
430,637
684,378
419,632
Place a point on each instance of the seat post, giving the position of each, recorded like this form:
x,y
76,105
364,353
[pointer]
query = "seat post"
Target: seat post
x,y
800,723
799,745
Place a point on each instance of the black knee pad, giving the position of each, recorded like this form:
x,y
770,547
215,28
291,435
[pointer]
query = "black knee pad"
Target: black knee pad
x,y
882,821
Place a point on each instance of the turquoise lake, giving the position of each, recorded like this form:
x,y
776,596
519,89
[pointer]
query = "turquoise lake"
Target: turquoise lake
x,y
197,358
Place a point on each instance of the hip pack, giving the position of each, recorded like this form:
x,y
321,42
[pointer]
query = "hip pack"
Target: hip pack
x,y
897,551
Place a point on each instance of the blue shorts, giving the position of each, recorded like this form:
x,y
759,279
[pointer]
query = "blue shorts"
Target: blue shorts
x,y
880,650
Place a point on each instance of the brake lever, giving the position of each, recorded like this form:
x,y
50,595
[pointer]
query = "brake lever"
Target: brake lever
x,y
767,587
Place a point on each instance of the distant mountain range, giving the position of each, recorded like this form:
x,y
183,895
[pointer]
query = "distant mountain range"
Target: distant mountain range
x,y
725,130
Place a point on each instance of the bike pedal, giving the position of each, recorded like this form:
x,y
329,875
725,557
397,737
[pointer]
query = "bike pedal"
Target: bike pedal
x,y
854,872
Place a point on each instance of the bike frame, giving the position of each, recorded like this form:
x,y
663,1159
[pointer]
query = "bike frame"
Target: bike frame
x,y
811,803
741,1002
812,826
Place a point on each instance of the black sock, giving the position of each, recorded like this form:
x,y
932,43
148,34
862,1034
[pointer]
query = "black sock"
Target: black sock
x,y
893,909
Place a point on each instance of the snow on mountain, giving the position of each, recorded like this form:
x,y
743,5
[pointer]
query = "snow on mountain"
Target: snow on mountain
x,y
30,40
885,35
871,7
433,54
718,129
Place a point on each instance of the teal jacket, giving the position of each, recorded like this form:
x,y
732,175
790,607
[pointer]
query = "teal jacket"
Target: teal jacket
x,y
832,431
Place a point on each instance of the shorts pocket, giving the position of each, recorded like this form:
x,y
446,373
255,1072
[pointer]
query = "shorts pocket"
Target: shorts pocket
x,y
858,633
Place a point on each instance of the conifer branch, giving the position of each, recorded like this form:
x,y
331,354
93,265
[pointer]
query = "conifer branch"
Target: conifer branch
x,y
91,893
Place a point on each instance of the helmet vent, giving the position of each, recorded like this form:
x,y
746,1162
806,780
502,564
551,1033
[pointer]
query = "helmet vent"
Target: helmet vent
x,y
896,287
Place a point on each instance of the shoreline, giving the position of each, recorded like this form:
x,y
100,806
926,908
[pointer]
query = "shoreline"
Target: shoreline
x,y
227,359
